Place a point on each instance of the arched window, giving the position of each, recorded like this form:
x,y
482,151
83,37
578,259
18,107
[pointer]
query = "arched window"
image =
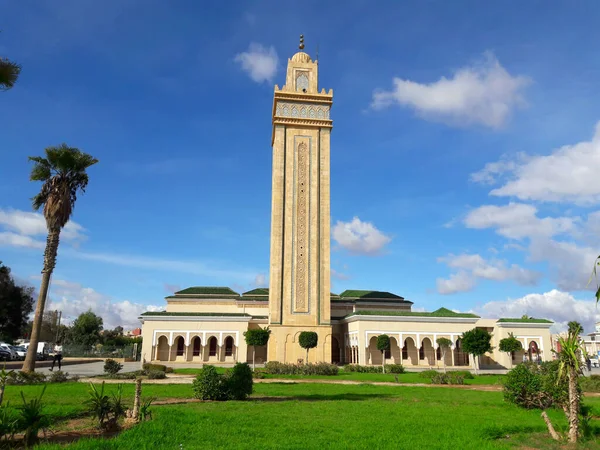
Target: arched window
x,y
196,346
180,346
438,353
422,351
212,346
405,351
228,346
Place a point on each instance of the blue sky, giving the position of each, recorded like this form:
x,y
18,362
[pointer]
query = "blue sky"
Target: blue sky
x,y
463,144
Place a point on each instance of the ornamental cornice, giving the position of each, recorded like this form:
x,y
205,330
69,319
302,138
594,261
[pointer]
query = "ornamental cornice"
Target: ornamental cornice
x,y
302,97
303,122
523,325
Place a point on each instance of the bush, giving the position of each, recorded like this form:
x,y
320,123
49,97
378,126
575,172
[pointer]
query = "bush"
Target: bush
x,y
531,385
239,382
156,375
148,367
112,367
395,368
169,370
277,368
25,378
9,421
362,369
465,373
58,377
209,385
448,378
590,384
428,374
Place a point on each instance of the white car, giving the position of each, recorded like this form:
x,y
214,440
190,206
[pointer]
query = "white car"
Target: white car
x,y
20,351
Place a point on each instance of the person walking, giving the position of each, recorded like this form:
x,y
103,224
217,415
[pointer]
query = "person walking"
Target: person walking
x,y
588,363
57,356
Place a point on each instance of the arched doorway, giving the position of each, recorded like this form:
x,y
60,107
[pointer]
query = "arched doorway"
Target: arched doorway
x,y
195,349
410,352
229,347
426,352
394,351
460,357
162,351
533,351
212,347
335,350
375,356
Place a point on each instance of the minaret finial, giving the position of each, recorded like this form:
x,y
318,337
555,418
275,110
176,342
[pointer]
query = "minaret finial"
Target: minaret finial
x,y
301,46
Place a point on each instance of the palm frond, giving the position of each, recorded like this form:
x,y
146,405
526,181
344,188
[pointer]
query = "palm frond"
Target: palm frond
x,y
9,72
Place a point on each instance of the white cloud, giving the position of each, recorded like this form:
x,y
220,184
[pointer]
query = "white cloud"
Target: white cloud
x,y
339,275
359,237
73,299
34,224
457,282
9,239
483,94
260,280
517,221
569,174
259,62
472,267
561,307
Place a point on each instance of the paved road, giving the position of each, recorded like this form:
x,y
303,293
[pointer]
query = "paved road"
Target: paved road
x,y
90,369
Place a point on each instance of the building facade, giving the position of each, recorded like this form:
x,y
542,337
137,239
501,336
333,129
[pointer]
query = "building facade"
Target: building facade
x,y
207,324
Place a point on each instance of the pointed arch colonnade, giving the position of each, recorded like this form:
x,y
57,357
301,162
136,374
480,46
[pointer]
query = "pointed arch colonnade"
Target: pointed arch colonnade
x,y
407,348
196,346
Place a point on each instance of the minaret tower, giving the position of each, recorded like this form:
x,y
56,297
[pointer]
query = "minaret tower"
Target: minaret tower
x,y
299,289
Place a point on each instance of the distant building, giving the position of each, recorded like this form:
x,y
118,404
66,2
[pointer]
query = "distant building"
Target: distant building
x,y
207,324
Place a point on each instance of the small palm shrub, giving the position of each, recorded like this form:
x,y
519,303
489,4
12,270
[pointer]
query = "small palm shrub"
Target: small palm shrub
x,y
9,421
99,404
145,413
112,367
32,418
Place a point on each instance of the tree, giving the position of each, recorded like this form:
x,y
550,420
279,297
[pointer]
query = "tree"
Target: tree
x,y
9,72
86,329
16,303
444,344
308,340
63,174
257,337
383,344
575,327
510,345
570,367
534,386
476,342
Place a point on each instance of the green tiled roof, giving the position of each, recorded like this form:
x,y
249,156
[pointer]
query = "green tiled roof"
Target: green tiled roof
x,y
531,320
442,312
363,295
164,313
256,292
207,290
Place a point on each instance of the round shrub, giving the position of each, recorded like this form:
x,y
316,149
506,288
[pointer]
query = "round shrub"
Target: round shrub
x,y
209,385
58,377
428,374
156,375
148,366
523,386
395,368
465,373
239,382
112,367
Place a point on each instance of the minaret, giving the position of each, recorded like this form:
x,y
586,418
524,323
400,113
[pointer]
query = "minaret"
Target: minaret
x,y
299,289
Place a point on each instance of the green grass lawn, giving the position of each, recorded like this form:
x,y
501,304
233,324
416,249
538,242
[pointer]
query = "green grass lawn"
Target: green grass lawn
x,y
409,377
319,416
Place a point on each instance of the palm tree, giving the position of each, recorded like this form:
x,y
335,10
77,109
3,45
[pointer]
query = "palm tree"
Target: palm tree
x,y
63,174
570,365
9,72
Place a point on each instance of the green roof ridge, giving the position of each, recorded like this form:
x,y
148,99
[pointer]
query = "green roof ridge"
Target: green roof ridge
x,y
256,292
366,294
207,290
530,320
415,314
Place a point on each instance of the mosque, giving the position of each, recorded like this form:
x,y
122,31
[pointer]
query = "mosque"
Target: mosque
x,y
207,324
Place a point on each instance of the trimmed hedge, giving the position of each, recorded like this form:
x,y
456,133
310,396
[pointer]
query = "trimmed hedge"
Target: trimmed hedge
x,y
277,368
390,368
156,375
148,367
430,374
448,378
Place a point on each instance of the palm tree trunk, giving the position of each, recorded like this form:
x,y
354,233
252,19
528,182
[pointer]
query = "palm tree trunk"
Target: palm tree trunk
x,y
551,429
136,400
49,264
573,406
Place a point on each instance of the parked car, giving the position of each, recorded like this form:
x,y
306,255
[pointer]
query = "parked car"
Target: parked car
x,y
42,350
5,355
20,351
4,346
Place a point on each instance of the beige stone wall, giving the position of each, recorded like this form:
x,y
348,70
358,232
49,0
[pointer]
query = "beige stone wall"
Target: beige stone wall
x,y
284,346
221,307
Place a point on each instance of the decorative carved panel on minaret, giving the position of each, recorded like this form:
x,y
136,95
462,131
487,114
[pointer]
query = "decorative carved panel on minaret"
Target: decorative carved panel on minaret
x,y
302,251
